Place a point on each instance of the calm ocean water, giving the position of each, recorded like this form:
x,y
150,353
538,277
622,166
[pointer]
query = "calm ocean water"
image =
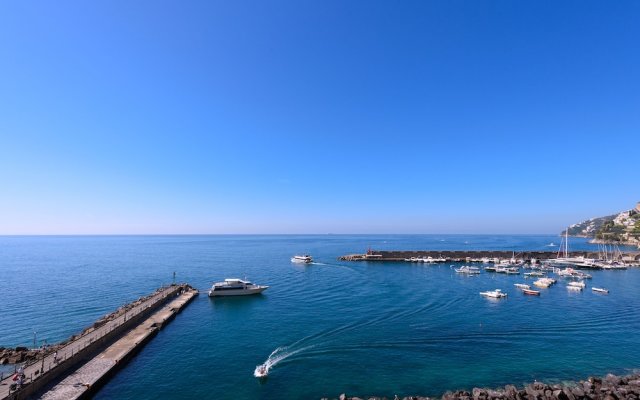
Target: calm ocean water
x,y
360,328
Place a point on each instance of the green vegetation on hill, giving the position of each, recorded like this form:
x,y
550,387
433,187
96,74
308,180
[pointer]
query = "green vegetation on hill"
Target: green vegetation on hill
x,y
623,227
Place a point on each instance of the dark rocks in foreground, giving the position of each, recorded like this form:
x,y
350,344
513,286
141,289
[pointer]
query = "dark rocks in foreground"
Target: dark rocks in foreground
x,y
611,387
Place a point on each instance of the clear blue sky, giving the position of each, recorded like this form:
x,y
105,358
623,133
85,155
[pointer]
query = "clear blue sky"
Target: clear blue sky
x,y
317,116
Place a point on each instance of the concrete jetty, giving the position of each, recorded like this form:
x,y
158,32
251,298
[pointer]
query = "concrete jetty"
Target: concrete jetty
x,y
85,363
466,255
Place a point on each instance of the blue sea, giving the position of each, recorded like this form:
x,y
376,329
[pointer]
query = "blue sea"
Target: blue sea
x,y
327,328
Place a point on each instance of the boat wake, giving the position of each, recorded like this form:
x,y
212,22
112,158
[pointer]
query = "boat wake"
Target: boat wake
x,y
278,355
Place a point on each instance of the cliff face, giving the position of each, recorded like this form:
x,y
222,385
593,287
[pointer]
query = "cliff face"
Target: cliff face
x,y
623,228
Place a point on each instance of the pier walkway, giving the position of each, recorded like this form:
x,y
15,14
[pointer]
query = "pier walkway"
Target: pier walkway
x,y
78,383
113,341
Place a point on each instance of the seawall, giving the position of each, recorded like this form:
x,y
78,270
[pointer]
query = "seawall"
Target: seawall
x,y
466,255
85,349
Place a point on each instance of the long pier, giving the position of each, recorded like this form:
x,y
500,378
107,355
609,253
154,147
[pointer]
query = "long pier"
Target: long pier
x,y
85,363
466,255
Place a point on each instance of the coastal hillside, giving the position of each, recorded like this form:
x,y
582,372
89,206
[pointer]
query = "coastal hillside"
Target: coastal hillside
x,y
623,228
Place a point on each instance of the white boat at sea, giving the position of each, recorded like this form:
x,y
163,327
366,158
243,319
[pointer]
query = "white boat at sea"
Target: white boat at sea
x,y
544,282
534,273
522,286
579,284
600,290
572,273
574,288
563,259
305,259
235,287
495,294
261,371
467,269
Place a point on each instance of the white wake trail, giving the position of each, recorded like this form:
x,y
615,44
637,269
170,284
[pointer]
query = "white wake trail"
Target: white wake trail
x,y
276,356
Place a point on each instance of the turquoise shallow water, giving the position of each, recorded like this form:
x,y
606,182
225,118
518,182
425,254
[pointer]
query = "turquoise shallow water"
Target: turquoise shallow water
x,y
360,328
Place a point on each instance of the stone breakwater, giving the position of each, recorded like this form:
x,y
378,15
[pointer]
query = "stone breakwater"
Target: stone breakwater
x,y
611,387
22,354
468,255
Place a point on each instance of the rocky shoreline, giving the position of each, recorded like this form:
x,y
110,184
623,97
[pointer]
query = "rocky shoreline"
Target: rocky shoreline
x,y
593,240
611,387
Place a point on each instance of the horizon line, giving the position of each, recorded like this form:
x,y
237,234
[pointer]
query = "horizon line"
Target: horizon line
x,y
266,234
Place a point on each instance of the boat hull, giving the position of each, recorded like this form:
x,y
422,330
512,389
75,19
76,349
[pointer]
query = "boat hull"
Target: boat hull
x,y
301,260
237,292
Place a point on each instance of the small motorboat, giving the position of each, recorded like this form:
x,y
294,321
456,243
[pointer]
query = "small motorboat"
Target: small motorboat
x,y
496,294
261,371
574,288
512,271
522,286
531,292
600,290
304,259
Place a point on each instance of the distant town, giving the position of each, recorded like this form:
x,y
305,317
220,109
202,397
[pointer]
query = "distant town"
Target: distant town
x,y
621,228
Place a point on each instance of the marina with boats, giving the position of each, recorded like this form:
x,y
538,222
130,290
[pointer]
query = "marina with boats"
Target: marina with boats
x,y
491,279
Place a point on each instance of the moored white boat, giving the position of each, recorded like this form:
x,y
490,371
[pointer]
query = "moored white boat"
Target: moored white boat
x,y
235,287
572,273
600,290
574,288
544,282
467,269
522,286
496,294
579,284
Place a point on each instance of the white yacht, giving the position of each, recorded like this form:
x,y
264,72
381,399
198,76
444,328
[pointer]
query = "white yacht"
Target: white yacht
x,y
572,273
522,286
467,269
305,259
235,287
496,294
563,259
600,290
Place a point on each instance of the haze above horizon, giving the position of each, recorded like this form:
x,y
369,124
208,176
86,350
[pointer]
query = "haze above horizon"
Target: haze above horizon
x,y
212,117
